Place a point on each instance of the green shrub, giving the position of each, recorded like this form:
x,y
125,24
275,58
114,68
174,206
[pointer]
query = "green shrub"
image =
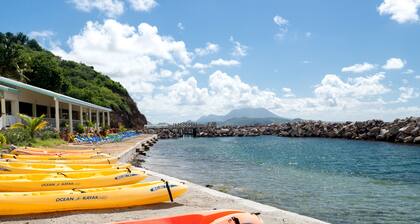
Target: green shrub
x,y
18,136
80,129
47,134
3,139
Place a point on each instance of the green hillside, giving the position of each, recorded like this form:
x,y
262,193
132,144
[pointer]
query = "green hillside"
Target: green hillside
x,y
23,59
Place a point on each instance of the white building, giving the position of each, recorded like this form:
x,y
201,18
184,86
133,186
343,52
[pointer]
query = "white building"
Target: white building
x,y
18,97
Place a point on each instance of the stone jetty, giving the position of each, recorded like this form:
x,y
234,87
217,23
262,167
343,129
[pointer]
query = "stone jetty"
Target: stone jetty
x,y
399,131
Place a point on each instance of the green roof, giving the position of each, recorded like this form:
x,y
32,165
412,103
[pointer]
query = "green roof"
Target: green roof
x,y
60,97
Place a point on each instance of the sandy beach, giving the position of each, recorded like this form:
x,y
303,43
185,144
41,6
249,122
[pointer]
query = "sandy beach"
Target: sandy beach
x,y
198,198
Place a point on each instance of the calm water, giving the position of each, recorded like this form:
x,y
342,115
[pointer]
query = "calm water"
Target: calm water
x,y
339,181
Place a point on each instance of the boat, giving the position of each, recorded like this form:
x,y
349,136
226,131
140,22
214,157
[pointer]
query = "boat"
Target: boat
x,y
111,160
239,218
65,181
19,203
27,150
208,217
22,167
188,218
54,157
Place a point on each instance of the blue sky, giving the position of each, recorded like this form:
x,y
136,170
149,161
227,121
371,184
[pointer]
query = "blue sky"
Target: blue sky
x,y
330,60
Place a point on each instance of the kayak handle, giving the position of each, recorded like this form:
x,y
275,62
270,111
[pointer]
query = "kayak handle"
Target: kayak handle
x,y
169,190
75,189
128,169
61,173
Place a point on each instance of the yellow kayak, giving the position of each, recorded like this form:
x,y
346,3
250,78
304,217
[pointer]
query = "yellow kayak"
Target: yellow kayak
x,y
52,150
71,161
54,157
17,167
65,181
17,203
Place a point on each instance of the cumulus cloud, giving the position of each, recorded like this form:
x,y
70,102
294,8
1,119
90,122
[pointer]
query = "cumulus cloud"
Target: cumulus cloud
x,y
224,92
180,26
280,20
282,25
143,5
239,49
223,62
111,8
42,34
287,92
210,48
131,55
402,11
214,63
407,93
409,71
394,64
358,68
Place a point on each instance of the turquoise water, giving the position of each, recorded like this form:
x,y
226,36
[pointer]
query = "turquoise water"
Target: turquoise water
x,y
340,181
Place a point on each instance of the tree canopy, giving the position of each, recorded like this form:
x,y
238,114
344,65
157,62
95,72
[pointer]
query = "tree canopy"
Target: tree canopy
x,y
23,59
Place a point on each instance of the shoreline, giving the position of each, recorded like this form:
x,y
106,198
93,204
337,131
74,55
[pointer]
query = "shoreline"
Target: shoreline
x,y
198,198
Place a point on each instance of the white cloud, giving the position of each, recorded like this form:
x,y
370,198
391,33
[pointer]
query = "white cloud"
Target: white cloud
x,y
287,92
180,26
308,34
402,11
239,49
417,77
344,99
143,5
407,93
222,62
394,64
280,20
111,8
358,68
218,62
409,71
282,24
130,55
209,49
306,62
41,34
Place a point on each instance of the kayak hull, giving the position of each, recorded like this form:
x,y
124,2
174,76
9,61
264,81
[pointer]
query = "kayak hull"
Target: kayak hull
x,y
65,181
189,218
112,160
16,203
18,167
55,157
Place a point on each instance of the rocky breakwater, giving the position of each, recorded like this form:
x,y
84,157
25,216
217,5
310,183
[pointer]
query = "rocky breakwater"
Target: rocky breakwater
x,y
400,130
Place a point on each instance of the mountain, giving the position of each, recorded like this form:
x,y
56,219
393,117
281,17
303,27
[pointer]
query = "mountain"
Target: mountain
x,y
23,59
244,116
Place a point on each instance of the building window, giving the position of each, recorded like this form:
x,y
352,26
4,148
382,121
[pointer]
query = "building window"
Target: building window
x,y
41,109
25,108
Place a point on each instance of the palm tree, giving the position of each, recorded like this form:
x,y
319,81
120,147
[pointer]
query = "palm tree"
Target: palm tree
x,y
30,124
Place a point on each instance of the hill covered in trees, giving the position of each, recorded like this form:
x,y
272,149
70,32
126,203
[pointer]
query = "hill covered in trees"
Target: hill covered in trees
x,y
23,59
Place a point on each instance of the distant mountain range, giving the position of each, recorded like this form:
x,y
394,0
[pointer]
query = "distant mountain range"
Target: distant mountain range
x,y
244,116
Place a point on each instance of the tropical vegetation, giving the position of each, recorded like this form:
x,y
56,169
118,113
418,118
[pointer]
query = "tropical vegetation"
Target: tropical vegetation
x,y
23,59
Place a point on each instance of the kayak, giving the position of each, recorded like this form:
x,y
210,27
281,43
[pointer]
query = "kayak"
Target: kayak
x,y
54,157
18,203
51,153
189,218
65,181
52,150
111,160
239,218
17,167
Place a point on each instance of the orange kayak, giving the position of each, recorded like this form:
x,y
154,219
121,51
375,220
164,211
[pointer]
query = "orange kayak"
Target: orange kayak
x,y
46,151
208,217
